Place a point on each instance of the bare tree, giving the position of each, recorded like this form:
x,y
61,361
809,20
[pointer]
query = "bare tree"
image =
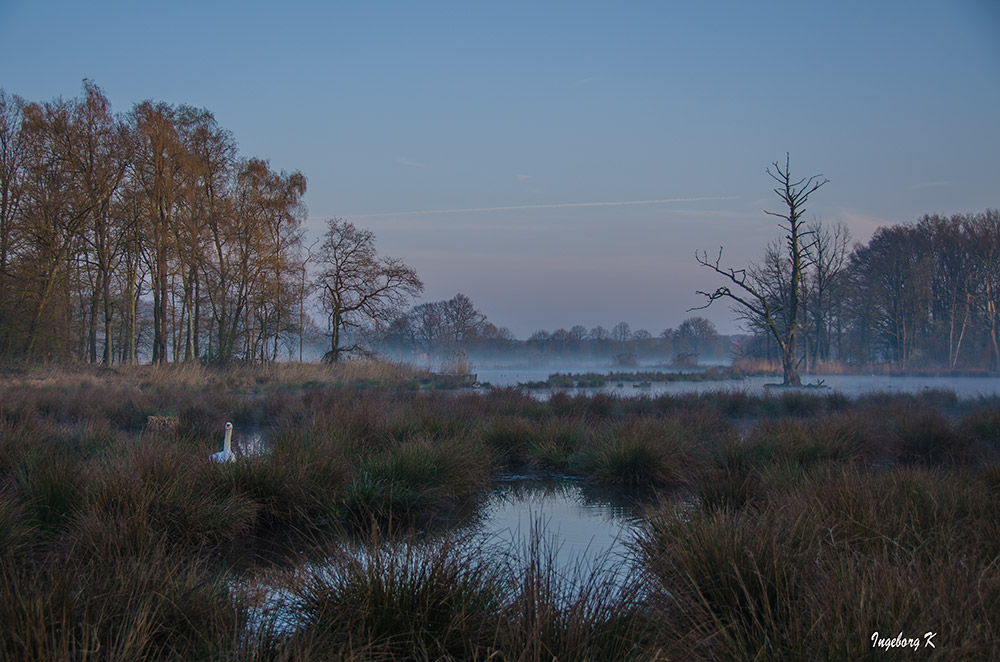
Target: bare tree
x,y
357,285
55,214
779,315
96,157
12,163
985,229
464,320
830,250
158,168
696,334
622,333
892,289
599,334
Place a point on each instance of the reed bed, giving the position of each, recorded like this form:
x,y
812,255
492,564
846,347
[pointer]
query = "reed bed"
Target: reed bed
x,y
790,526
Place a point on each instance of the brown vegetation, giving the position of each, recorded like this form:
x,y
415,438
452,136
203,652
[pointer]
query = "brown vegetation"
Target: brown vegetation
x,y
790,527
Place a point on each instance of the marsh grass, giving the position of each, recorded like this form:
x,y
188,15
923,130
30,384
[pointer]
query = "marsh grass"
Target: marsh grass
x,y
452,599
643,453
418,475
117,607
813,571
926,437
804,524
982,425
556,442
401,600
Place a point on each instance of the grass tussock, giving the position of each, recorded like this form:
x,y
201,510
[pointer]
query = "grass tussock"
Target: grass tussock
x,y
419,475
644,453
119,606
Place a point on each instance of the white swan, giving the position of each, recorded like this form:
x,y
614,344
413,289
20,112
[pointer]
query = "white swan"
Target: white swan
x,y
226,454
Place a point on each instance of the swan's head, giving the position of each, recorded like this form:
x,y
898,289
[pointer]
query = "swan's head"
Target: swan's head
x,y
229,427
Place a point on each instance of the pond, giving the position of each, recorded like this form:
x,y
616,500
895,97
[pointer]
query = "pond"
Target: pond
x,y
580,531
583,526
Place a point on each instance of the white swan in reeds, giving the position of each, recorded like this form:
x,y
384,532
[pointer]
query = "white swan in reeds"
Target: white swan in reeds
x,y
226,454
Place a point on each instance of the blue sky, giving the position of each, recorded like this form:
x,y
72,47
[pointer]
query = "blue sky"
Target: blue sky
x,y
471,137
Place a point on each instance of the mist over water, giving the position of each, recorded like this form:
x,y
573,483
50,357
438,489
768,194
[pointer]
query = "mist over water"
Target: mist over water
x,y
849,385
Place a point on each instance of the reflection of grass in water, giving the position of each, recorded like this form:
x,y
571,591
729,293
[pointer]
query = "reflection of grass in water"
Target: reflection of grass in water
x,y
452,599
621,503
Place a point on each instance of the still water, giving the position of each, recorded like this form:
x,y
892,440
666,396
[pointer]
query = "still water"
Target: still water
x,y
580,532
850,385
583,527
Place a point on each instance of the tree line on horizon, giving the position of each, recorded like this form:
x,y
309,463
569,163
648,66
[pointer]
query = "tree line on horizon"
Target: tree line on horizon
x,y
445,328
147,236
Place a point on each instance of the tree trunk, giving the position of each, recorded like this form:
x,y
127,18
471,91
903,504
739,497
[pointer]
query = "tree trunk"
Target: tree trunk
x,y
789,362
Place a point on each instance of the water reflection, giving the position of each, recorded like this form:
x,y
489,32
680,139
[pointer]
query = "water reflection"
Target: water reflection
x,y
582,524
578,532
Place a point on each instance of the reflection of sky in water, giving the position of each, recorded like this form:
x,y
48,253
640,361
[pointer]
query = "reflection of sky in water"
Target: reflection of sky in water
x,y
583,526
585,531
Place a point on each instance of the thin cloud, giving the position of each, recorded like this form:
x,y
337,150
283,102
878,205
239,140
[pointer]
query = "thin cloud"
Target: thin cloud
x,y
408,163
930,185
587,81
560,205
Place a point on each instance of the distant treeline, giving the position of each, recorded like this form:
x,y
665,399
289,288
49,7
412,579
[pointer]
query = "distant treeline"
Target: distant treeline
x,y
916,296
446,328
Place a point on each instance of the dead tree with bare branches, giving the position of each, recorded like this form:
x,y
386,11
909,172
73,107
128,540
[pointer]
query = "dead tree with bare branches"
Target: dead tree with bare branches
x,y
774,305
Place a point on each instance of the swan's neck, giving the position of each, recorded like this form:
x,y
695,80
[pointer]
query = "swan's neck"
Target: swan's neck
x,y
227,445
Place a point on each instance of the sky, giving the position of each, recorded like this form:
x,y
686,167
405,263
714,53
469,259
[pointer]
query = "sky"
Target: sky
x,y
560,163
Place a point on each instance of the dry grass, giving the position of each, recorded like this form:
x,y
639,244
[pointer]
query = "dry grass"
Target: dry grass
x,y
812,571
409,599
808,519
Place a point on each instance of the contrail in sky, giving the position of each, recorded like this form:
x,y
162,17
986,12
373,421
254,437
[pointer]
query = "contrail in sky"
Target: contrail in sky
x,y
550,206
